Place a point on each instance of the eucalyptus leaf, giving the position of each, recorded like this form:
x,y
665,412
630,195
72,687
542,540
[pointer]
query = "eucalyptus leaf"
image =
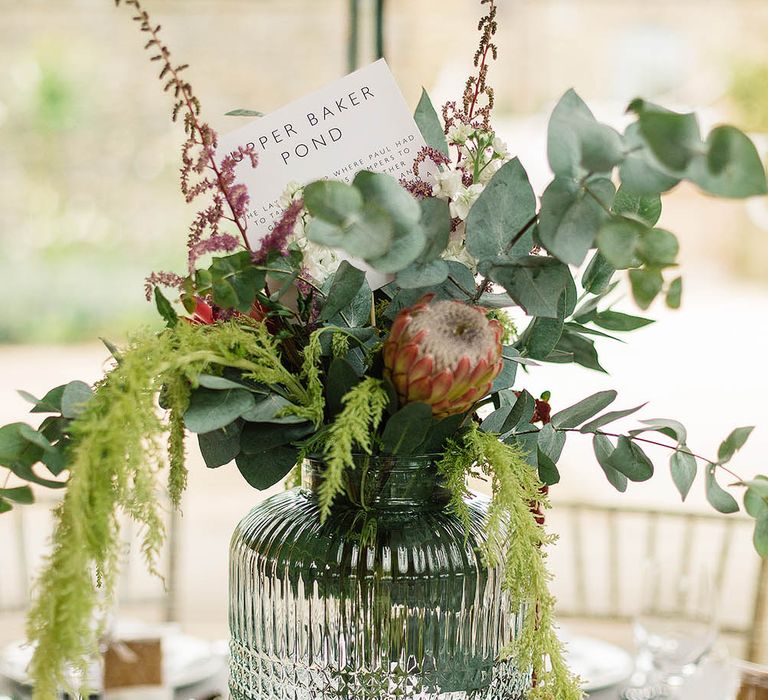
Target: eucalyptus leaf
x,y
439,432
734,442
341,378
646,285
264,469
610,417
235,281
332,201
535,282
604,449
598,274
406,429
575,415
548,472
211,409
210,381
419,275
436,223
718,498
675,293
658,247
682,466
347,282
760,537
571,215
243,113
574,347
756,496
629,459
220,447
731,166
501,211
617,321
20,494
50,403
551,442
429,124
645,208
541,335
74,397
258,437
673,138
271,409
618,241
640,172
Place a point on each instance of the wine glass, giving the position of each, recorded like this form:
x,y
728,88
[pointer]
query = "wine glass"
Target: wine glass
x,y
675,627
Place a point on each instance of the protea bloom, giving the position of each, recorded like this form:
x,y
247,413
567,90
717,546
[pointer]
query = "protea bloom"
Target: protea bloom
x,y
445,354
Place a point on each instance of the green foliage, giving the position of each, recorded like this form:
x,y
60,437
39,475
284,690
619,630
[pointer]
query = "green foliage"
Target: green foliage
x,y
504,207
516,540
406,429
351,430
115,461
429,124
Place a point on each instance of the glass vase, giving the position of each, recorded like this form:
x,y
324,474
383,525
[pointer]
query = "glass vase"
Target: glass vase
x,y
388,598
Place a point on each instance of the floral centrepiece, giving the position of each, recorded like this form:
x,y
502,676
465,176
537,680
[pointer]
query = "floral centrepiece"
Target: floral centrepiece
x,y
279,350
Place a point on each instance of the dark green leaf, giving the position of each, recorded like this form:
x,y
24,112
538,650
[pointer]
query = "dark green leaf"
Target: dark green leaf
x,y
645,208
535,282
494,421
551,441
439,432
220,447
573,347
618,240
165,309
56,459
243,113
598,274
346,284
575,415
617,321
629,459
406,429
718,498
235,281
646,285
604,449
20,494
14,448
683,468
734,442
731,167
548,473
521,413
258,437
50,403
429,124
265,469
675,293
341,378
672,428
31,435
76,394
505,206
527,442
211,409
607,418
5,506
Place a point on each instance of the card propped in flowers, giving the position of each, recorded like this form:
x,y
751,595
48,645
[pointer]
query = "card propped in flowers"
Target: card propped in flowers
x,y
360,122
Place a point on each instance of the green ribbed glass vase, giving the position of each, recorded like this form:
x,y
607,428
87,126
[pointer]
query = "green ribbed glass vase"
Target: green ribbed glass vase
x,y
389,598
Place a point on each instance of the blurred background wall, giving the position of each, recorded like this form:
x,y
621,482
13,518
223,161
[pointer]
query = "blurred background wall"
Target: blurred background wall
x,y
89,203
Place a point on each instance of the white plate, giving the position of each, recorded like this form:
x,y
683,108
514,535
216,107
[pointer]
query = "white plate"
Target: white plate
x,y
598,663
186,660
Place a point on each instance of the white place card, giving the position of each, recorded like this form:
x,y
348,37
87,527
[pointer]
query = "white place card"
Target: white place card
x,y
360,122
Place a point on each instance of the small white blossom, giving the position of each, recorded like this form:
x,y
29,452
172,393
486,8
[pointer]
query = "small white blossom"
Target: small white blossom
x,y
500,148
463,201
459,133
490,169
293,191
448,183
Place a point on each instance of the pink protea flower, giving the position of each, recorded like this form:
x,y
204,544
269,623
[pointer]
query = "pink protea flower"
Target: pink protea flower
x,y
445,354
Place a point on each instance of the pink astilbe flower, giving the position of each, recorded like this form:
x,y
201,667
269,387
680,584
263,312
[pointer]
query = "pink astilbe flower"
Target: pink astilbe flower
x,y
280,236
161,279
217,243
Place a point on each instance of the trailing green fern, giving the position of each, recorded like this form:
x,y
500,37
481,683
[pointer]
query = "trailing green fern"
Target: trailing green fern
x,y
517,541
117,456
352,429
